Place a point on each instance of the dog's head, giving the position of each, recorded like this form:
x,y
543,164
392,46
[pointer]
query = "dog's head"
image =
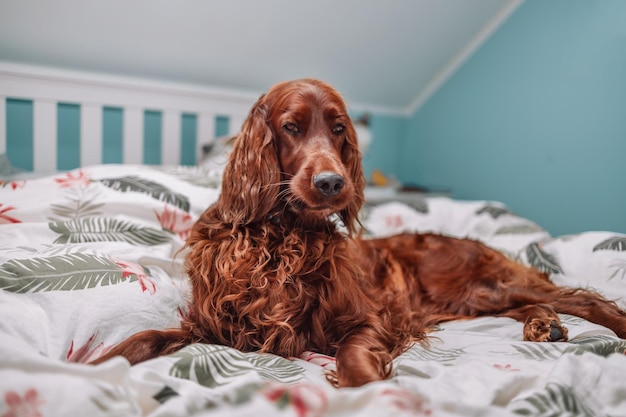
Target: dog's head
x,y
297,151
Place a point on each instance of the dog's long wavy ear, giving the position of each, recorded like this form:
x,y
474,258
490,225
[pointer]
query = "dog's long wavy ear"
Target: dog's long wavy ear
x,y
351,157
251,180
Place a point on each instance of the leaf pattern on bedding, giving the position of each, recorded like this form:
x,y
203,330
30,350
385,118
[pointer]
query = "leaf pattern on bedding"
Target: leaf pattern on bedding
x,y
419,205
4,218
76,271
555,400
519,229
600,345
154,189
194,175
619,267
86,352
165,394
73,179
616,243
216,365
176,221
432,353
493,211
104,229
542,260
80,204
539,351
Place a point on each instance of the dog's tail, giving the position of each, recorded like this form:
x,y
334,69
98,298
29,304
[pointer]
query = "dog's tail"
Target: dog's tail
x,y
149,344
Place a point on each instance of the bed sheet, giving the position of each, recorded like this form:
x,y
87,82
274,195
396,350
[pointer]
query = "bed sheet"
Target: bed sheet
x,y
91,256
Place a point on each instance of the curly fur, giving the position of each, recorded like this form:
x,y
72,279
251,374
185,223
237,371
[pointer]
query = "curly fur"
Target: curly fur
x,y
276,265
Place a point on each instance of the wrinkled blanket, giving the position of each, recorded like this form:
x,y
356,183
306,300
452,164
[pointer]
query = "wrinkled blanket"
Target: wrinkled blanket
x,y
91,256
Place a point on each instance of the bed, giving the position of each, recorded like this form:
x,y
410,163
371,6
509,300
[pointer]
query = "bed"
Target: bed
x,y
91,255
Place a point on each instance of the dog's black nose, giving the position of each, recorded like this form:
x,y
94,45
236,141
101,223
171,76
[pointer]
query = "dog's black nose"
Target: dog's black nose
x,y
328,184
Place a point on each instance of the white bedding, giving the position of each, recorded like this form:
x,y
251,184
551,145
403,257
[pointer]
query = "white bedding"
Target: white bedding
x,y
89,257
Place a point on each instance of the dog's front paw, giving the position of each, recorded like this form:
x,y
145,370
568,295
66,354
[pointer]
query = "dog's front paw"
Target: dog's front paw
x,y
544,330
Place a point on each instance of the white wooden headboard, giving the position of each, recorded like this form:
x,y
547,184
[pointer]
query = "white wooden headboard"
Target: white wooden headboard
x,y
46,88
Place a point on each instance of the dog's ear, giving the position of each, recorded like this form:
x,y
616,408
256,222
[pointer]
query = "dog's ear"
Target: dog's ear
x,y
351,158
251,180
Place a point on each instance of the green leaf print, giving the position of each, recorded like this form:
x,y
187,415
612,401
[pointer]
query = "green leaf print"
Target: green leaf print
x,y
215,365
103,229
419,205
432,353
539,351
600,345
541,260
165,394
619,267
493,211
519,229
617,243
144,186
80,203
195,175
69,272
555,400
79,209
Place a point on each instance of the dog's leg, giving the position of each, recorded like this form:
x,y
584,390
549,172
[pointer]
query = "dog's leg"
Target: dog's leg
x,y
360,359
593,307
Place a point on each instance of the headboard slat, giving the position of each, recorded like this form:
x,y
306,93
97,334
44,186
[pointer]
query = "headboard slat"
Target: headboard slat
x,y
90,134
171,139
44,136
133,136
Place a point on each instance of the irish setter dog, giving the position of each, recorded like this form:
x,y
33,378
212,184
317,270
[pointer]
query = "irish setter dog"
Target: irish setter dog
x,y
277,264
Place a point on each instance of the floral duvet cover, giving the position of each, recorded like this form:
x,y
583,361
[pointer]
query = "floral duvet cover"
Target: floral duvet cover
x,y
91,256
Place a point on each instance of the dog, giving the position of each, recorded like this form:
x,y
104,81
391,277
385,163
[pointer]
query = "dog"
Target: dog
x,y
278,263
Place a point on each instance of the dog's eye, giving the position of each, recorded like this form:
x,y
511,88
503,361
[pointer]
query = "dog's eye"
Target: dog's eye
x,y
291,128
339,129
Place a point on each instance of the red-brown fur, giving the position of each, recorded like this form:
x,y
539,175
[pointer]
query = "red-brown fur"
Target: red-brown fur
x,y
271,272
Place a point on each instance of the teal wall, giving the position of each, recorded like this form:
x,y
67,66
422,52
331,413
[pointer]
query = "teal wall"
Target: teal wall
x,y
68,136
384,153
152,137
19,132
536,118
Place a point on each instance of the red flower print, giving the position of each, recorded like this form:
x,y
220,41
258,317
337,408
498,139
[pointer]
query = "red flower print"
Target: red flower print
x,y
13,184
70,179
405,400
394,221
131,268
506,367
318,359
307,400
87,352
27,406
176,221
7,219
